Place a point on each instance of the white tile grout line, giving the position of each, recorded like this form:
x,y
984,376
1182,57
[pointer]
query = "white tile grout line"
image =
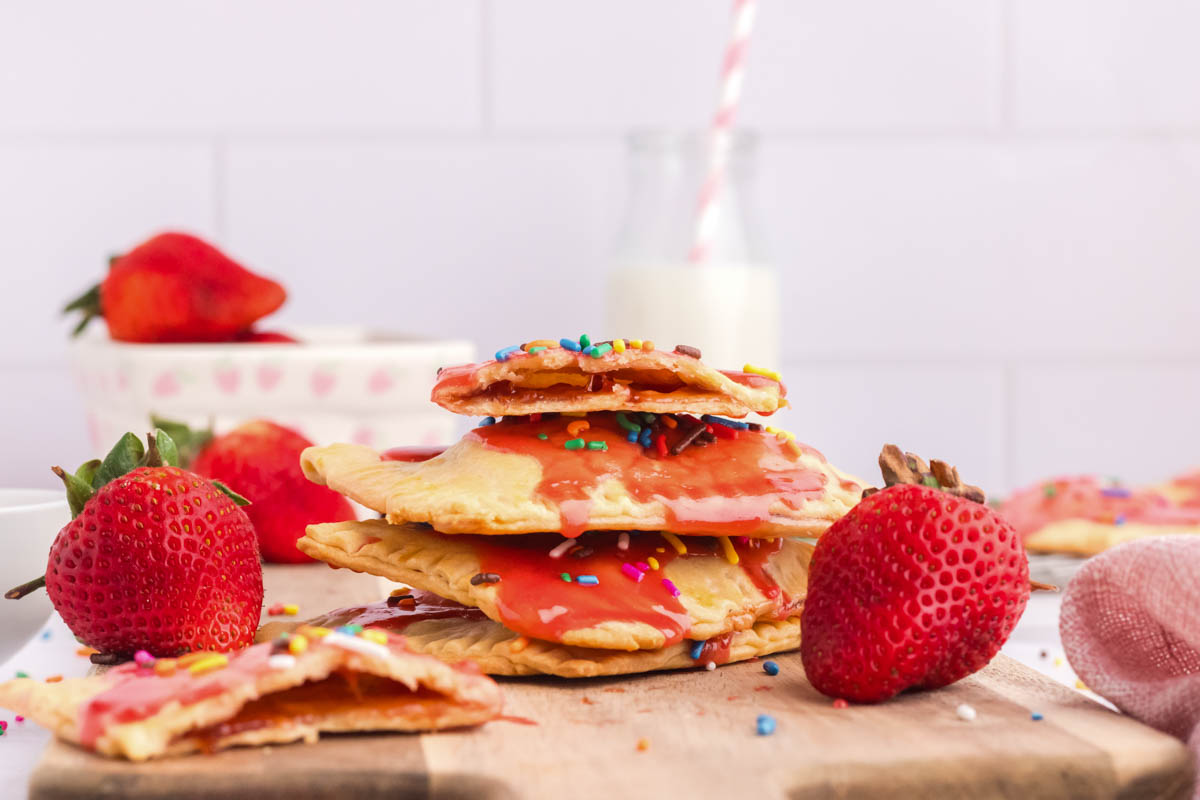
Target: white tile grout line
x,y
457,137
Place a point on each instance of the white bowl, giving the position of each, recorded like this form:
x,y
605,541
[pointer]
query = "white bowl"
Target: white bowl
x,y
342,384
29,521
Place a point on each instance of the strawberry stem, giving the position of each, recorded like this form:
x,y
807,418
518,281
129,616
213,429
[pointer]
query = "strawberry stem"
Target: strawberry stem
x,y
153,457
17,592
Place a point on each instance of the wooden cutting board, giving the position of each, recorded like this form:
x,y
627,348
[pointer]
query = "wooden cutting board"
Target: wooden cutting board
x,y
700,729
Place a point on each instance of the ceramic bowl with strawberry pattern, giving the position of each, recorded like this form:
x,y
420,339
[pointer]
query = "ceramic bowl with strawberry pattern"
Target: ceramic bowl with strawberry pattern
x,y
339,384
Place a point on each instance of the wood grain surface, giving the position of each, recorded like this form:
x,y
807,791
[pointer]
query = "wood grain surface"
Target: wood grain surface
x,y
700,730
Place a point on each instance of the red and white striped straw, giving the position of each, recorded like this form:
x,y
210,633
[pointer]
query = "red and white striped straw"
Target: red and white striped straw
x,y
733,73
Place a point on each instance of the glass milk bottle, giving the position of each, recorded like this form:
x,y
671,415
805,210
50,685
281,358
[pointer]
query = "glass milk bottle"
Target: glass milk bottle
x,y
728,304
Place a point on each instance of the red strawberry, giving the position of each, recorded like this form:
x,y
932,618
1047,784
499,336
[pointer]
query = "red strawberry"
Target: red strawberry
x,y
914,588
265,337
156,558
177,288
262,460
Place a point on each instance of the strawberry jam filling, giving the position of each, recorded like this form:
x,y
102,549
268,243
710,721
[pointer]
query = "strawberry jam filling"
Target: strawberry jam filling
x,y
412,454
395,617
534,599
725,486
317,703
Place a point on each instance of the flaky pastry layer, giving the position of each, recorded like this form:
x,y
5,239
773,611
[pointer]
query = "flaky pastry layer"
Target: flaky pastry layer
x,y
717,596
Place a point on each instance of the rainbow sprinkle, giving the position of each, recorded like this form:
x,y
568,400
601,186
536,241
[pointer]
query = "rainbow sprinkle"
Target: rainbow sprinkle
x,y
569,344
574,444
627,423
598,444
697,649
599,350
670,587
566,576
765,724
375,635
483,423
619,345
587,580
676,542
766,373
1036,716
505,353
561,548
771,668
653,562
623,540
536,349
585,341
728,423
632,572
727,547
209,663
543,436
281,661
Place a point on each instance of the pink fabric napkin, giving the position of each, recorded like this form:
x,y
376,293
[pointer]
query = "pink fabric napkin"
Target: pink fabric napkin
x,y
1130,627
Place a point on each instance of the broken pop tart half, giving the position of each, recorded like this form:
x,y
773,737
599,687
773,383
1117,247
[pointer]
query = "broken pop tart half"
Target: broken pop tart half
x,y
295,688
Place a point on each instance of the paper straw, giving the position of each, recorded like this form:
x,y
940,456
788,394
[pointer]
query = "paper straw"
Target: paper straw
x,y
733,73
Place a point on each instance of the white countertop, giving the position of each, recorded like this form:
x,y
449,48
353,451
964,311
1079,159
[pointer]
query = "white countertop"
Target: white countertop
x,y
1034,643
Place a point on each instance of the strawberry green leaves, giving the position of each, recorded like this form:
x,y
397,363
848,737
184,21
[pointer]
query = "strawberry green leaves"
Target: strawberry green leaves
x,y
79,485
89,304
189,441
234,496
126,456
123,458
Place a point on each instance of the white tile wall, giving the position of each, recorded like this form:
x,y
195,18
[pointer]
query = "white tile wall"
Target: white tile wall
x,y
849,411
984,210
1106,64
1004,248
496,241
1133,420
827,65
225,65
